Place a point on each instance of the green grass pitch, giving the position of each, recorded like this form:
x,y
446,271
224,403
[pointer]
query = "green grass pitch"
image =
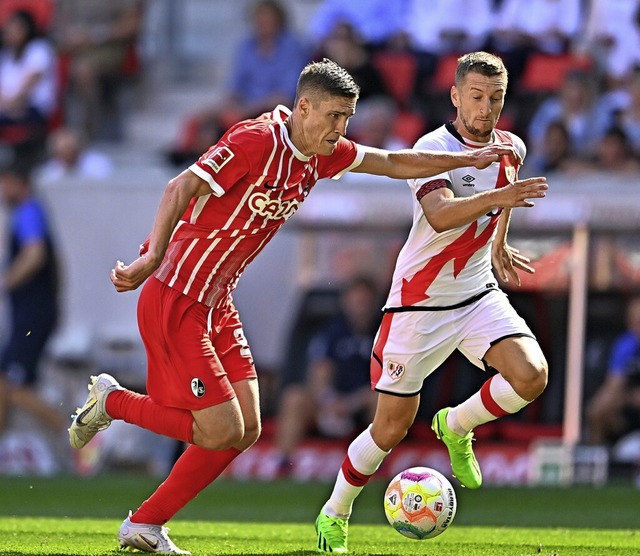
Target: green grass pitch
x,y
72,516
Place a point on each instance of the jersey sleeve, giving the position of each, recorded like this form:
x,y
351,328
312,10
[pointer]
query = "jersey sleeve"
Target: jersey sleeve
x,y
425,185
229,160
346,156
623,352
30,224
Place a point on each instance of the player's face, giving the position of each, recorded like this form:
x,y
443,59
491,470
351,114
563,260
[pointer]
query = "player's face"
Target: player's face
x,y
479,101
325,121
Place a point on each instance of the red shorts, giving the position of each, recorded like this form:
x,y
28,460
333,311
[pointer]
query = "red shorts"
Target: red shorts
x,y
194,353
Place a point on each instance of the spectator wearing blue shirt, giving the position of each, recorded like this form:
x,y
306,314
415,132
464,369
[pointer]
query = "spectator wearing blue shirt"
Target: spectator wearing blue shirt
x,y
262,74
375,21
336,396
614,410
30,283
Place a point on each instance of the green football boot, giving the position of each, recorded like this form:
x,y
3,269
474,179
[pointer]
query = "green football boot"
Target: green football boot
x,y
332,534
463,462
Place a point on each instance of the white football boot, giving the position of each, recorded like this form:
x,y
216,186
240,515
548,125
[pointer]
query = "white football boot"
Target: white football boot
x,y
92,417
147,538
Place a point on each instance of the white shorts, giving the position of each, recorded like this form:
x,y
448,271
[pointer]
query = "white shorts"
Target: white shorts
x,y
411,344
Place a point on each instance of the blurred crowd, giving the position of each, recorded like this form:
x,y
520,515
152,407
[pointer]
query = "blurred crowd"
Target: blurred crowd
x,y
573,65
574,81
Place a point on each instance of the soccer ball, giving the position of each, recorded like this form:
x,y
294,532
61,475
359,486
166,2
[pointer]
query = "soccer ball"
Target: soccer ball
x,y
420,503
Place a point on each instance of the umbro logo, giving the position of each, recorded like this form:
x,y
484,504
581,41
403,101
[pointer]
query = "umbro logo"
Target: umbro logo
x,y
468,180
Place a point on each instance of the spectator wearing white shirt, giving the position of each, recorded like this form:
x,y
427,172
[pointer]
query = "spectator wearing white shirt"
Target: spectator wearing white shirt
x,y
435,29
612,37
28,78
69,158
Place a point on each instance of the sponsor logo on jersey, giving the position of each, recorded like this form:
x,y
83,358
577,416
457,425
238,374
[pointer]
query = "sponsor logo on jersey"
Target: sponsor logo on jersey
x,y
197,387
468,181
395,370
218,158
273,209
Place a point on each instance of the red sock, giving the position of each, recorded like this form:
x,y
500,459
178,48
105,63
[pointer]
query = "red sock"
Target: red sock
x,y
143,411
192,473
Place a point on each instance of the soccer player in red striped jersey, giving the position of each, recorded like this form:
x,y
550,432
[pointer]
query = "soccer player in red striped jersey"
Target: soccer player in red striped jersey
x,y
444,297
213,220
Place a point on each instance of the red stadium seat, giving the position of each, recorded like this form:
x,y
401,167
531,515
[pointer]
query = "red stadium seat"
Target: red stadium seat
x,y
41,10
545,73
399,71
409,126
444,75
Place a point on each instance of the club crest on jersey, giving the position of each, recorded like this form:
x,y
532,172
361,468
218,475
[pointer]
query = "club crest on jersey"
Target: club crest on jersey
x,y
395,370
273,209
197,387
510,173
218,158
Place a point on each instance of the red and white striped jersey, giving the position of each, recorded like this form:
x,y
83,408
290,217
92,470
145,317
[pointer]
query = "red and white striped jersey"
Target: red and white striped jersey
x,y
442,269
258,180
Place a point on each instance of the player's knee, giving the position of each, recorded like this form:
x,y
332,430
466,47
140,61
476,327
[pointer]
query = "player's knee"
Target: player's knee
x,y
219,439
389,434
251,435
533,382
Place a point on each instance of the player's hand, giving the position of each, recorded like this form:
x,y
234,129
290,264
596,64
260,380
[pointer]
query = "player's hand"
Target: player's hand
x,y
519,193
507,261
484,157
129,277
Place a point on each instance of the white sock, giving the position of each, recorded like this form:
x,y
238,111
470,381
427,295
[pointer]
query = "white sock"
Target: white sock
x,y
365,457
495,399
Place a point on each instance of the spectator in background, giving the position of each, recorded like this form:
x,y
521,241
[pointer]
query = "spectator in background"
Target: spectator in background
x,y
612,412
336,394
69,158
31,283
346,49
553,154
28,84
575,106
622,108
611,36
376,21
614,155
435,29
96,38
263,73
374,125
522,27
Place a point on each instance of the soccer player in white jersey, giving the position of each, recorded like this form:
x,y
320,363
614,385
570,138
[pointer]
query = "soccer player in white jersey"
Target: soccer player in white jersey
x,y
213,219
444,297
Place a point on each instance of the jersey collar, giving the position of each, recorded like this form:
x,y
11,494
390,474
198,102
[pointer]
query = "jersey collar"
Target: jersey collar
x,y
278,114
475,144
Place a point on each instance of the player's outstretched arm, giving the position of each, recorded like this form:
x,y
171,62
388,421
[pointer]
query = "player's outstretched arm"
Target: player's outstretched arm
x,y
410,163
445,212
175,199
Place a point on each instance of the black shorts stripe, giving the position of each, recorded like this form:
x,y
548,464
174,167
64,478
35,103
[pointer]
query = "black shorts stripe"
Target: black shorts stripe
x,y
464,303
396,393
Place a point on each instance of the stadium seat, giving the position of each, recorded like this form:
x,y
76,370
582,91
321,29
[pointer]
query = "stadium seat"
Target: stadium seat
x,y
545,73
409,126
399,71
41,10
444,75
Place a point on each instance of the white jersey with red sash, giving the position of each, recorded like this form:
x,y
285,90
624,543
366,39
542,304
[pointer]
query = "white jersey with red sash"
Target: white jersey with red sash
x,y
258,179
448,268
